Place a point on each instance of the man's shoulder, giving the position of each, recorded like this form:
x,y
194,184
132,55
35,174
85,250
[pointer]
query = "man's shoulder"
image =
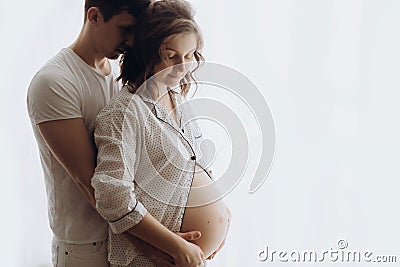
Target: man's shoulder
x,y
56,71
55,68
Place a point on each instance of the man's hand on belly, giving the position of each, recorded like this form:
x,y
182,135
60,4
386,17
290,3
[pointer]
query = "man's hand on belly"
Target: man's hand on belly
x,y
159,258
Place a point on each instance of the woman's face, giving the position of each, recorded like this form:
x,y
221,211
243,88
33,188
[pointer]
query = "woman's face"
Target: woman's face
x,y
176,50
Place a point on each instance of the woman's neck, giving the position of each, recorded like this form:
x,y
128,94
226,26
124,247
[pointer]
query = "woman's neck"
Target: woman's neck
x,y
159,92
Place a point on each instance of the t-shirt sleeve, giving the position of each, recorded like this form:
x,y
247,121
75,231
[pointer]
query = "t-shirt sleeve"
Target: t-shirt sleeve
x,y
53,95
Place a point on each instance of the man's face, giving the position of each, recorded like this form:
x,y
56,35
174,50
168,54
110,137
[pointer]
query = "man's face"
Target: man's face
x,y
115,35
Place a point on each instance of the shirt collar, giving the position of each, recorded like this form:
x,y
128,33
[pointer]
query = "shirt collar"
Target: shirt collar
x,y
159,111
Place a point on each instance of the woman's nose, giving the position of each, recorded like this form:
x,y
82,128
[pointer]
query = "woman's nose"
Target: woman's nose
x,y
180,66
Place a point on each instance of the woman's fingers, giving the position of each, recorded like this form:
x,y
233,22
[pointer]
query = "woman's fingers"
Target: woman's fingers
x,y
190,236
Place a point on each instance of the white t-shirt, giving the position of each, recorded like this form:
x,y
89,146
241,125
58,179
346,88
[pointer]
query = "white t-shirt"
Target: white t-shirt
x,y
65,88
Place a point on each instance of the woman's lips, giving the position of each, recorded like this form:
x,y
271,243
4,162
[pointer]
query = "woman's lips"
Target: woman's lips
x,y
174,76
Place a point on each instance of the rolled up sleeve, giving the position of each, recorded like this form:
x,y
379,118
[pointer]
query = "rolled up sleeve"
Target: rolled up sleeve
x,y
113,180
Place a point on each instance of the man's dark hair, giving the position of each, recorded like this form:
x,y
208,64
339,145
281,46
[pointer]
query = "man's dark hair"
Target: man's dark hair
x,y
109,8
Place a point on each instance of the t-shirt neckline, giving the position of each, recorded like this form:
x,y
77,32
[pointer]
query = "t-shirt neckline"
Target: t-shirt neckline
x,y
72,52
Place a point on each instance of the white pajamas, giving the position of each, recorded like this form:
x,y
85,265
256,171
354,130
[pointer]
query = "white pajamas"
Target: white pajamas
x,y
145,163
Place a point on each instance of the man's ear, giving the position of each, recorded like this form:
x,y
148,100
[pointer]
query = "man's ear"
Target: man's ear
x,y
93,15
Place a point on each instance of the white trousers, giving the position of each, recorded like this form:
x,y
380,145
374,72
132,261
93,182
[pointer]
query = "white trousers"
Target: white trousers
x,y
79,255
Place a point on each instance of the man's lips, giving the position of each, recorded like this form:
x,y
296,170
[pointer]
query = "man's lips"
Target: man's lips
x,y
120,50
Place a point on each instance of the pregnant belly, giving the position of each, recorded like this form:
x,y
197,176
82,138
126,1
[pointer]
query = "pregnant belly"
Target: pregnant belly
x,y
210,219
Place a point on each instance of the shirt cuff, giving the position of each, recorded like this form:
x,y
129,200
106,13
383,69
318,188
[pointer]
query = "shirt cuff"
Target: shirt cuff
x,y
129,220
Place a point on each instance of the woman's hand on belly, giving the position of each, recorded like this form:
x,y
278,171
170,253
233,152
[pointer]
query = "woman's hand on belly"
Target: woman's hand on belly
x,y
189,255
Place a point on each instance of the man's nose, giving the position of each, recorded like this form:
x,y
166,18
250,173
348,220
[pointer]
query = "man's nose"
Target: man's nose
x,y
129,40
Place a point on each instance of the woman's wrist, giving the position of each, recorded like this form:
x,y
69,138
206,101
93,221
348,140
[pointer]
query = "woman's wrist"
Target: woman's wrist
x,y
177,246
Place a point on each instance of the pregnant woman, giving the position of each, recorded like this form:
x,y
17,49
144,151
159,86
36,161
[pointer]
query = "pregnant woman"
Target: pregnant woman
x,y
149,161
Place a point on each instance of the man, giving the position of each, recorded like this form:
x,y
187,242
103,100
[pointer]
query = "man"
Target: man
x,y
63,100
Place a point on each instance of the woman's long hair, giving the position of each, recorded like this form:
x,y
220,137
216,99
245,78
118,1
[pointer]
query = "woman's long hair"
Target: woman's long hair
x,y
160,20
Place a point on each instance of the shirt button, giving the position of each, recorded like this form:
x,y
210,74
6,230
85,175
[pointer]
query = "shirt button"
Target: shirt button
x,y
193,158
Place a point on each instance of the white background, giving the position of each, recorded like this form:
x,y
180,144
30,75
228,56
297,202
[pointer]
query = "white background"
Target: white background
x,y
330,73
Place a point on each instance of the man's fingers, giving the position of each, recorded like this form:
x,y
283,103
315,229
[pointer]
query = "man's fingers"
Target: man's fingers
x,y
160,262
212,256
163,264
190,236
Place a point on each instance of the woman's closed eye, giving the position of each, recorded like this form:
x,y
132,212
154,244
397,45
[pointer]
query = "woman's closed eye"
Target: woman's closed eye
x,y
171,56
189,56
176,56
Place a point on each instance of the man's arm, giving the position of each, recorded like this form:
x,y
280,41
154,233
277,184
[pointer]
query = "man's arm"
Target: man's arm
x,y
70,143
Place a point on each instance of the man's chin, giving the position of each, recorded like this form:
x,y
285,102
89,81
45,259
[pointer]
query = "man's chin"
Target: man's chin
x,y
114,55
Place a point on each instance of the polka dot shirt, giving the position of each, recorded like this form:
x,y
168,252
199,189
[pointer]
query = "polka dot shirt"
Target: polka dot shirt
x,y
145,163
